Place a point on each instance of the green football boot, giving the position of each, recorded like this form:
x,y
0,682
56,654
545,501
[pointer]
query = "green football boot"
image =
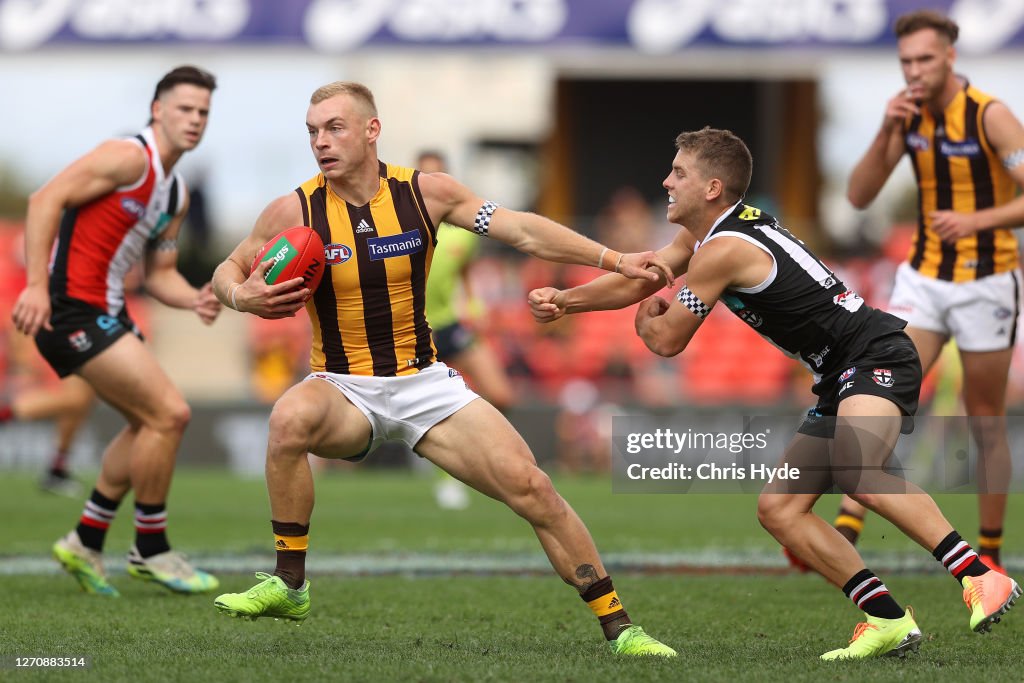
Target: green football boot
x,y
881,638
271,597
84,564
633,641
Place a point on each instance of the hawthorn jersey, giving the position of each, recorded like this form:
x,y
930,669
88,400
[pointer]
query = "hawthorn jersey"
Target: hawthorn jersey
x,y
958,170
369,312
99,242
801,307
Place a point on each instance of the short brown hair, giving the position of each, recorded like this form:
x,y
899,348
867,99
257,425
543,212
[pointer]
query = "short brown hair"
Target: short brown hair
x,y
912,22
192,75
721,154
431,154
351,88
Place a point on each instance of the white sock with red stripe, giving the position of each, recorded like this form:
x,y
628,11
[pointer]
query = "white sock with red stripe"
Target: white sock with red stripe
x,y
870,595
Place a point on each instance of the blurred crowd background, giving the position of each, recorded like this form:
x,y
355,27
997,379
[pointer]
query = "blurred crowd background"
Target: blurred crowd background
x,y
566,107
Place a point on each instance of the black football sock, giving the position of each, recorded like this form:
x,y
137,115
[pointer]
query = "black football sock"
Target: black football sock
x,y
958,557
151,529
96,517
870,595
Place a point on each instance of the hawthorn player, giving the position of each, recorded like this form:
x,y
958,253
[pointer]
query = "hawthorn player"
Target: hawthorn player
x,y
118,204
962,278
375,376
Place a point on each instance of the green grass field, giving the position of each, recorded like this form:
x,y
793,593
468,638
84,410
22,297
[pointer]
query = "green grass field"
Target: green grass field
x,y
415,609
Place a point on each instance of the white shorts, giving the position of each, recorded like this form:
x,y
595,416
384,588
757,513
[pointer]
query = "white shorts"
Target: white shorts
x,y
403,408
981,315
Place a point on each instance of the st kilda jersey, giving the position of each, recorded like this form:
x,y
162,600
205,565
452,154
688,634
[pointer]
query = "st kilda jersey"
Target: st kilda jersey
x,y
99,242
801,307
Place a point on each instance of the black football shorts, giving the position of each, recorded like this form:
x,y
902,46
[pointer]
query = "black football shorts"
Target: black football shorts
x,y
889,368
80,332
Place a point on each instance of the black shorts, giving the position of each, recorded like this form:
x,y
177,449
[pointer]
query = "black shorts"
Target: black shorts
x,y
80,332
889,368
451,340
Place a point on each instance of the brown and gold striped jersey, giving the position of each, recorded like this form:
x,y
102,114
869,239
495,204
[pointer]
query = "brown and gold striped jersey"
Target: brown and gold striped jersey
x,y
958,170
368,313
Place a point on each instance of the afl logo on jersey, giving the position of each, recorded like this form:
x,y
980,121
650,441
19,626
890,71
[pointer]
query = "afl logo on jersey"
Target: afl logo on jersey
x,y
336,254
917,142
133,206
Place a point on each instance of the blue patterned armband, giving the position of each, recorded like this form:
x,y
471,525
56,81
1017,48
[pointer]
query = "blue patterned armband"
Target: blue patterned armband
x,y
482,222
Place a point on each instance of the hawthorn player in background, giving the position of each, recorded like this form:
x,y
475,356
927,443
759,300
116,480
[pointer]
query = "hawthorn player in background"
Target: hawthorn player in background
x,y
117,204
868,378
962,278
375,376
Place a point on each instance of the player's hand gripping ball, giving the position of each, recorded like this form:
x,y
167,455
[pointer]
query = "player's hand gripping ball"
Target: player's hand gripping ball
x,y
296,252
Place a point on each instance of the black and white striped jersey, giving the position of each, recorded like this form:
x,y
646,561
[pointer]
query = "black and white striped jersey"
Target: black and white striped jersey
x,y
801,307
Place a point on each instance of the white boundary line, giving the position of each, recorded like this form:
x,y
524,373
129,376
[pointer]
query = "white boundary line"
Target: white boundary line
x,y
440,564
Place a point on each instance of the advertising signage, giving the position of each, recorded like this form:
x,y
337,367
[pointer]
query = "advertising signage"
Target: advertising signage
x,y
651,26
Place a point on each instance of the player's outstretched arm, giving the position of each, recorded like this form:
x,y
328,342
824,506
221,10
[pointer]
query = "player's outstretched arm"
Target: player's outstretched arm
x,y
610,291
166,284
113,164
877,164
243,291
530,233
667,327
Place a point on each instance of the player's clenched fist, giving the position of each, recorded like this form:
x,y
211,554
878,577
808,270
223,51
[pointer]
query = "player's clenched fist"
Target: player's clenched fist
x,y
649,309
545,304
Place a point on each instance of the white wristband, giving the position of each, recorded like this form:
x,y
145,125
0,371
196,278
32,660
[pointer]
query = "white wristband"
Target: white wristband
x,y
235,289
600,259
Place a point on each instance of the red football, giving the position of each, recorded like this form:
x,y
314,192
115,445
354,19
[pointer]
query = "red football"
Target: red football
x,y
296,252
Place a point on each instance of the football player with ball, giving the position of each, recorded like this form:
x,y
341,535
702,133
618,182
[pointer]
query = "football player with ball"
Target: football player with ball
x,y
375,376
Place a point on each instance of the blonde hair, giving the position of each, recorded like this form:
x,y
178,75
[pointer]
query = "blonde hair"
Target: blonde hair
x,y
357,91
